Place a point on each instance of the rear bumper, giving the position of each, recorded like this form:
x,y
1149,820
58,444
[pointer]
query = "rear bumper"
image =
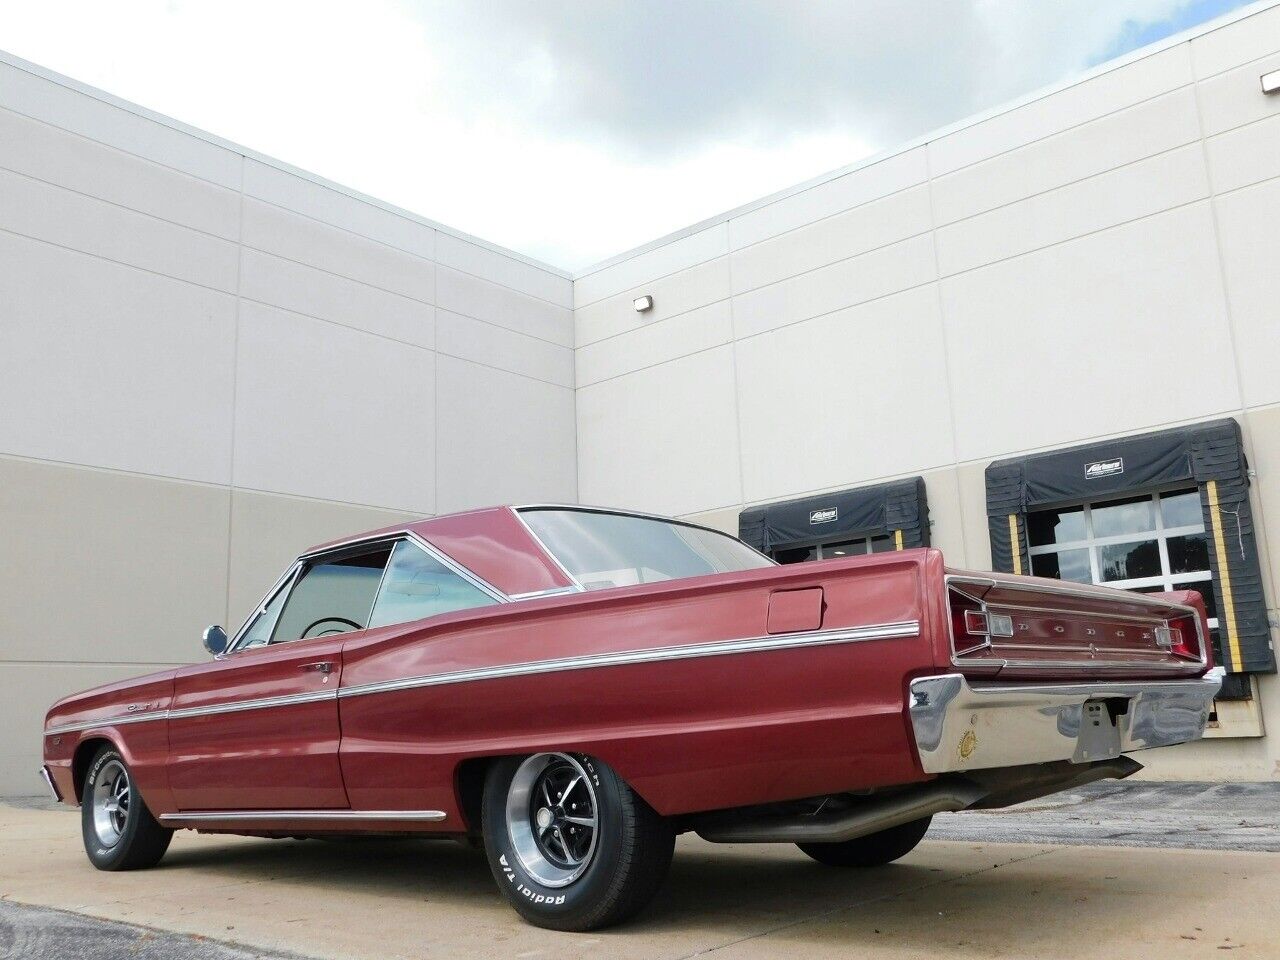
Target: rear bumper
x,y
961,726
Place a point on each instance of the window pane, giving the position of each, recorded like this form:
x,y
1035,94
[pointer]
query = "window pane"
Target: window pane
x,y
333,596
1205,589
847,548
796,554
418,585
1055,526
260,633
1123,516
882,544
614,550
1182,509
1188,554
1063,565
1129,561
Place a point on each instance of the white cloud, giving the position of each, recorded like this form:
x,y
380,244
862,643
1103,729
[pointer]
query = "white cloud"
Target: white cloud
x,y
569,130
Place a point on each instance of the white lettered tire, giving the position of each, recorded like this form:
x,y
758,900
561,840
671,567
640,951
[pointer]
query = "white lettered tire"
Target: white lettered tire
x,y
119,831
571,846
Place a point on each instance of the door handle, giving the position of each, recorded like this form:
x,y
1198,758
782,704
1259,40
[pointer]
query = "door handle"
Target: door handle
x,y
320,666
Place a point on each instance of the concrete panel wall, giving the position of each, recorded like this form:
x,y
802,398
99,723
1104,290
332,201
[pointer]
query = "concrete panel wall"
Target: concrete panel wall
x,y
212,361
1092,262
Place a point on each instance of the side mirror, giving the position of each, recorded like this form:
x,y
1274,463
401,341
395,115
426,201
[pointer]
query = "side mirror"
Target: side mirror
x,y
215,640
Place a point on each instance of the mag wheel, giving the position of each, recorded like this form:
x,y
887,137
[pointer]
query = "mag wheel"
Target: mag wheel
x,y
119,831
873,850
571,846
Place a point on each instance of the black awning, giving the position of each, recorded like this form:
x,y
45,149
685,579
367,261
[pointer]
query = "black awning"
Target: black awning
x,y
884,508
1208,455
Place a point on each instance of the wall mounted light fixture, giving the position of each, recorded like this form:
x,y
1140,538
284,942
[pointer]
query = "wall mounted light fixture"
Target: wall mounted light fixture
x,y
642,304
1271,82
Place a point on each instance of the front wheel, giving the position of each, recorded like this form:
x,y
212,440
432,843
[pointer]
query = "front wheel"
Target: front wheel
x,y
873,850
571,846
119,831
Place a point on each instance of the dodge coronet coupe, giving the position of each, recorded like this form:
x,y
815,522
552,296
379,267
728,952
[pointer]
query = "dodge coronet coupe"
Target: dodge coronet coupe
x,y
573,687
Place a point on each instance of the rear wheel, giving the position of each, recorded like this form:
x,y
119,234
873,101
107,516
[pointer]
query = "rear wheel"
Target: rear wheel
x,y
571,846
119,831
873,850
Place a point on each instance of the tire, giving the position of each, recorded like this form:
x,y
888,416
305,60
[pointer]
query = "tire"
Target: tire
x,y
578,880
873,850
124,836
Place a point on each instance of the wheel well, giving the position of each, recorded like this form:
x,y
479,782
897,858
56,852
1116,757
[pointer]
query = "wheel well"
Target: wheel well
x,y
469,783
80,760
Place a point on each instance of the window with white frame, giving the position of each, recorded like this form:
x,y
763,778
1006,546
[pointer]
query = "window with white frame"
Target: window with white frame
x,y
854,547
1146,543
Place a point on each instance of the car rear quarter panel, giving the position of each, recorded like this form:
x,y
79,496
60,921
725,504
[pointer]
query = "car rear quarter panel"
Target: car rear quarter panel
x,y
688,734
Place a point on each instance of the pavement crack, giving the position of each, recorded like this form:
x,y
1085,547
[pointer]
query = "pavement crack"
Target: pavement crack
x,y
849,907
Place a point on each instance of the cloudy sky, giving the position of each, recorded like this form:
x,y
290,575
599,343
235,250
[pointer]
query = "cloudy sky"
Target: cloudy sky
x,y
571,130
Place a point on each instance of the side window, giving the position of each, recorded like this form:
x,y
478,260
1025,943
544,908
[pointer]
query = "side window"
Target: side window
x,y
332,596
418,585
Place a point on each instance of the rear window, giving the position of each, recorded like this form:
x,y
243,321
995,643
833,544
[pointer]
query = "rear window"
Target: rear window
x,y
604,550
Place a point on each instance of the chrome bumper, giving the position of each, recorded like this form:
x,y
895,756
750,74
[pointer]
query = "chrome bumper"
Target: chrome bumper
x,y
48,782
959,726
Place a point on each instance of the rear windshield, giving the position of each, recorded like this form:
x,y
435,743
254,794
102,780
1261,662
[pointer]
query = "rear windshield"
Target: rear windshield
x,y
618,550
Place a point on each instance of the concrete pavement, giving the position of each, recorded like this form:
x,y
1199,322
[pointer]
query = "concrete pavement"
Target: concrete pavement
x,y
412,899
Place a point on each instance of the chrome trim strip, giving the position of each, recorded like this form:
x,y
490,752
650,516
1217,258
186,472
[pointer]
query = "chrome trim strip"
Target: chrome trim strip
x,y
182,713
262,703
48,782
216,816
549,592
718,648
106,722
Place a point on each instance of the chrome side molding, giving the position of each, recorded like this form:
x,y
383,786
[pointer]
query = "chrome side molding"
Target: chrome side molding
x,y
715,648
239,816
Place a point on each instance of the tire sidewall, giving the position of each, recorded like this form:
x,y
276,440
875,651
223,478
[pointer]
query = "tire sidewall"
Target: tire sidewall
x,y
531,898
101,856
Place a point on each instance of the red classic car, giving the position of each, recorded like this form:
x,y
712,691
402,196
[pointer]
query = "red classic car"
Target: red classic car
x,y
576,686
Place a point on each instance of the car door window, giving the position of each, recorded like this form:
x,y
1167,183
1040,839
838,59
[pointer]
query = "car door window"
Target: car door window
x,y
333,595
417,585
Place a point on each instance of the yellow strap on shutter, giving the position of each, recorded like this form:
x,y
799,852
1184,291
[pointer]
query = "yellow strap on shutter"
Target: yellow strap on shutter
x,y
1014,544
1236,664
897,539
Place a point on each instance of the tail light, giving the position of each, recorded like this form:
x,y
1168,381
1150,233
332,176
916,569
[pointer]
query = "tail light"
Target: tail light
x,y
1181,637
973,625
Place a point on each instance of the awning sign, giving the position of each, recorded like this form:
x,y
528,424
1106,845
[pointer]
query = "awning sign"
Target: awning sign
x,y
825,515
1103,468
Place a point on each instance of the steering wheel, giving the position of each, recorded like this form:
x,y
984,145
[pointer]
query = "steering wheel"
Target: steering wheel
x,y
350,624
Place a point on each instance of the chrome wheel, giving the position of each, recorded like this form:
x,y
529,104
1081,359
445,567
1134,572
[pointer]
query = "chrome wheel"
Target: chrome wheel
x,y
111,795
552,818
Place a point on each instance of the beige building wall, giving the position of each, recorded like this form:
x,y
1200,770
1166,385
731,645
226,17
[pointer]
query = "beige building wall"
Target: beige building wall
x,y
1095,261
210,361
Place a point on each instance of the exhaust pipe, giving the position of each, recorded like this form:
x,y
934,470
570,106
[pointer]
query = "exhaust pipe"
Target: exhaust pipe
x,y
983,789
870,817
